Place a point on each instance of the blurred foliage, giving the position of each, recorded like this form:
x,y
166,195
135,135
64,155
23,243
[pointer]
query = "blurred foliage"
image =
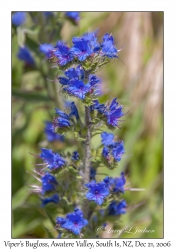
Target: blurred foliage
x,y
136,79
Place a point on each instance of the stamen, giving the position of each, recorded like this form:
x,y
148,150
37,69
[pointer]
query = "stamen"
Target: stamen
x,y
35,171
44,168
127,156
51,80
135,206
34,155
137,189
126,112
121,48
34,176
40,164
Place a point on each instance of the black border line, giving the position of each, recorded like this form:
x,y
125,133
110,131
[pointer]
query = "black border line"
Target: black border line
x,y
132,239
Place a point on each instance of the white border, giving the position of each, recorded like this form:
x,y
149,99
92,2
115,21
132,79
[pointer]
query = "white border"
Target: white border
x,y
5,97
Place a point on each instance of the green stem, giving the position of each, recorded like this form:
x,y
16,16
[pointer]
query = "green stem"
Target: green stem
x,y
87,157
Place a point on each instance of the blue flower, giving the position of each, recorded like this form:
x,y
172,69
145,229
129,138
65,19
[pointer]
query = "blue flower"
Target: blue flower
x,y
119,183
80,72
92,173
112,148
74,111
75,156
109,182
92,39
18,18
49,183
73,221
106,153
63,53
60,122
77,88
47,155
60,221
118,150
101,108
108,48
93,80
81,48
114,104
25,55
115,184
71,74
53,199
47,49
63,80
63,121
78,211
114,113
107,138
97,192
73,15
52,136
116,208
52,159
90,184
61,114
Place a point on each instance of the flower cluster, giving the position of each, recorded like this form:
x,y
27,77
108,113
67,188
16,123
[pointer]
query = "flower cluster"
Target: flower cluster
x,y
80,82
84,47
74,82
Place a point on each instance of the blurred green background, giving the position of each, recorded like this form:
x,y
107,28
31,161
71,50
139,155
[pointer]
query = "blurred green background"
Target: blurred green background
x,y
136,79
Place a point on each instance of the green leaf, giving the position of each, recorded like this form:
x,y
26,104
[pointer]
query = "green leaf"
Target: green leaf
x,y
30,96
81,139
50,236
94,66
21,36
34,46
20,227
103,63
19,198
49,217
32,32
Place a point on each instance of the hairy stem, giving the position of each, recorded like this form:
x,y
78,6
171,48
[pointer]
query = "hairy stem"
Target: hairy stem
x,y
87,157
